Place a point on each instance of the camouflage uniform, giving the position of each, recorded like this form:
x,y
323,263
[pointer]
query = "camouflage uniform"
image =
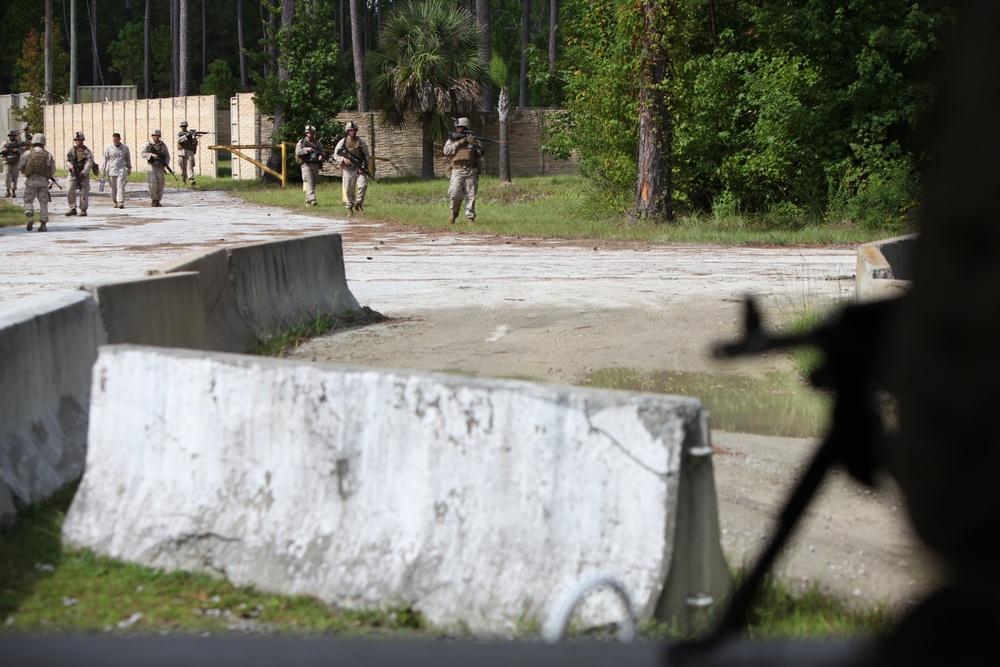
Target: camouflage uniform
x,y
155,152
309,153
464,154
12,156
355,184
117,166
38,166
187,147
79,161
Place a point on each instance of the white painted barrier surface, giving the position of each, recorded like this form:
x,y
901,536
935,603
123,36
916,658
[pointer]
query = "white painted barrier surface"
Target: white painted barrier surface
x,y
478,502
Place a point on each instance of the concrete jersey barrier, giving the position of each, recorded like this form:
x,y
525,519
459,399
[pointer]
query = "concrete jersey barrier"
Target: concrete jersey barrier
x,y
478,502
220,299
47,350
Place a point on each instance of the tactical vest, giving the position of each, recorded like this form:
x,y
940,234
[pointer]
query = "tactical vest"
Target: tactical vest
x,y
38,164
81,154
353,146
465,156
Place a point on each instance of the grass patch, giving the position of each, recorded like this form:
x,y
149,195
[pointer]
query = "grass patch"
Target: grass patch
x,y
47,588
537,206
280,344
11,214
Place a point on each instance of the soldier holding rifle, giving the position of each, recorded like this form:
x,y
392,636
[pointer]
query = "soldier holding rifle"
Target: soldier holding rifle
x,y
38,167
464,150
11,153
187,148
79,162
157,155
354,156
309,153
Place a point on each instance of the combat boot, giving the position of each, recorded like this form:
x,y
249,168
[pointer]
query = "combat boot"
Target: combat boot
x,y
43,228
359,208
83,214
72,211
31,221
451,219
8,193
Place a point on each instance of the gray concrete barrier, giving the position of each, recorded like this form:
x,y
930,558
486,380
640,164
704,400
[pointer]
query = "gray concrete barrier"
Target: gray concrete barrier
x,y
478,502
156,310
260,290
215,300
885,268
47,350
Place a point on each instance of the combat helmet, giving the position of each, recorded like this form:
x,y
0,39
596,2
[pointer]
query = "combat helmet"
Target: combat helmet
x,y
79,135
38,139
350,125
310,128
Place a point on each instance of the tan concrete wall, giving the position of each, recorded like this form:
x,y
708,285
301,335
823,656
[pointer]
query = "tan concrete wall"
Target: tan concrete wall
x,y
401,151
134,120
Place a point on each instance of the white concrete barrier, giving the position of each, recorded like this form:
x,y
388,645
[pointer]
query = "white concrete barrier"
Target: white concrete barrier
x,y
47,349
214,300
478,502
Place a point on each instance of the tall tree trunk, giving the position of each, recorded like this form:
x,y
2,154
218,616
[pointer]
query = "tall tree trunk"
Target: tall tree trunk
x,y
183,47
503,108
73,62
48,52
147,52
654,184
427,154
204,43
485,52
241,43
95,55
175,59
522,93
358,51
553,28
274,160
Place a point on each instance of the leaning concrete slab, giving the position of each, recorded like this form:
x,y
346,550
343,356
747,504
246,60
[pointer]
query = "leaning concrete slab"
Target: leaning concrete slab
x,y
47,349
478,502
280,284
156,310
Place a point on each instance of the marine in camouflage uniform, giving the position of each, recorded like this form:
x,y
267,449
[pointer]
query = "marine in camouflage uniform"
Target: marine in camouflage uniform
x,y
117,166
355,184
79,161
38,167
309,153
464,154
156,153
12,152
187,148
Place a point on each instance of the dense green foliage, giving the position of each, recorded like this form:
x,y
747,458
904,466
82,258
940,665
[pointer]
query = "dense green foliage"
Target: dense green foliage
x,y
318,84
791,112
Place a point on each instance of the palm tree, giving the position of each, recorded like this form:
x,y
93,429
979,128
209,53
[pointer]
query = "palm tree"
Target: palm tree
x,y
501,77
427,64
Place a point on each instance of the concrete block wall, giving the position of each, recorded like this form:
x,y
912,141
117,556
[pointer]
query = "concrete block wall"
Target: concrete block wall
x,y
47,349
134,120
478,502
885,268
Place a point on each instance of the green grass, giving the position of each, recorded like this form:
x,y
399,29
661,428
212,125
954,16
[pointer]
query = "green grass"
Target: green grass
x,y
46,587
279,345
11,214
540,206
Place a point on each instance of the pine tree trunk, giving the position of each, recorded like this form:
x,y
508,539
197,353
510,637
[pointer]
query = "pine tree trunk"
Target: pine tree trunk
x,y
485,52
427,154
147,49
183,47
522,93
244,81
358,51
654,183
503,108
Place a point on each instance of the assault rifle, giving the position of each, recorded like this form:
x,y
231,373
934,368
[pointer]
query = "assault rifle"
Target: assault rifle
x,y
5,152
53,181
358,164
157,158
195,133
456,136
852,342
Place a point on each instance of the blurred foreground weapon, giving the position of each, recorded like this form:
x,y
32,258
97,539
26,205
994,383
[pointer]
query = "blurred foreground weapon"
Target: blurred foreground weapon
x,y
53,181
851,344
